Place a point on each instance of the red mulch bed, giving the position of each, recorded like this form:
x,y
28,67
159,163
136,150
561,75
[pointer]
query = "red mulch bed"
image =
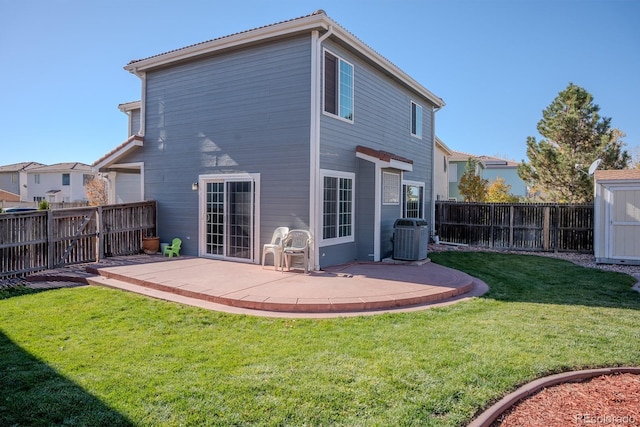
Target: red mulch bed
x,y
608,400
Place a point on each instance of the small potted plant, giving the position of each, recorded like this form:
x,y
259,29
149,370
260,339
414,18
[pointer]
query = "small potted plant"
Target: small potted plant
x,y
150,244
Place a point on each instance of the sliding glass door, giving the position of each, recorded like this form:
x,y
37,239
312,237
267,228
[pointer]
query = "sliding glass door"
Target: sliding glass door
x,y
229,217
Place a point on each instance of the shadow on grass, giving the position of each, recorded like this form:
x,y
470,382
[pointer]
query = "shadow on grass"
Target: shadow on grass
x,y
34,394
16,291
538,279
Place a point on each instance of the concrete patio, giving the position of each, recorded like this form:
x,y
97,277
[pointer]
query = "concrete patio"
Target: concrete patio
x,y
353,289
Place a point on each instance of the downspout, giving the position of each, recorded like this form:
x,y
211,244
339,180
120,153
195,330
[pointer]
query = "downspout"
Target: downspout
x,y
433,171
143,100
143,120
314,149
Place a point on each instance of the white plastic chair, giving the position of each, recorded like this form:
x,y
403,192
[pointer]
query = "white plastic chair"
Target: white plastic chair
x,y
275,247
297,243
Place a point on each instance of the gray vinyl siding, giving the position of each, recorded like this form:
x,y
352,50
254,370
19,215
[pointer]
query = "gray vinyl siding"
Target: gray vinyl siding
x,y
128,187
243,111
134,122
382,121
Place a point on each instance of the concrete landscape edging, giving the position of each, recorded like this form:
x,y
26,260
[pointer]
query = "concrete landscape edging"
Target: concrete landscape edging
x,y
488,417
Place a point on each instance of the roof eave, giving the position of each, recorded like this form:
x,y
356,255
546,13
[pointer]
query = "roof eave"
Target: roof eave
x,y
126,147
305,24
128,106
316,21
443,147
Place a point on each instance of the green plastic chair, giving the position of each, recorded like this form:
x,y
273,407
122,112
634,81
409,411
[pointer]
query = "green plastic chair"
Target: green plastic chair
x,y
173,248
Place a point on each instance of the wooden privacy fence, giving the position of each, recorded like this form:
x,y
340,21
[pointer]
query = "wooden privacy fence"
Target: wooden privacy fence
x,y
519,226
40,240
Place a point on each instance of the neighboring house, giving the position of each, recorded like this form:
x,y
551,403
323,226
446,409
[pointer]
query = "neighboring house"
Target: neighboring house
x,y
457,165
489,168
60,182
441,167
617,216
13,178
495,168
6,196
296,124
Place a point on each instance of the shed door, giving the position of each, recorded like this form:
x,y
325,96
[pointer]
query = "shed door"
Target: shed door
x,y
623,238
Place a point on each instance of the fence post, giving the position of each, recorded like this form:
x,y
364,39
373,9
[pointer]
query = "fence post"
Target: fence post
x,y
50,243
492,212
511,218
556,228
546,231
100,236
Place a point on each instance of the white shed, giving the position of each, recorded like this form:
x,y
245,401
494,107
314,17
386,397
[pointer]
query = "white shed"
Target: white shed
x,y
617,216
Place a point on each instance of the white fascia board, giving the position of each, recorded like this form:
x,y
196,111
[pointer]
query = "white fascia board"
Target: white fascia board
x,y
632,183
403,166
396,164
128,106
306,24
113,157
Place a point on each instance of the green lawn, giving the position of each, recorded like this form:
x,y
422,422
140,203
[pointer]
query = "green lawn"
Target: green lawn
x,y
97,356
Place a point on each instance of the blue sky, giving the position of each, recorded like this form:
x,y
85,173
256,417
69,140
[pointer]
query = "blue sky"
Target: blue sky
x,y
496,63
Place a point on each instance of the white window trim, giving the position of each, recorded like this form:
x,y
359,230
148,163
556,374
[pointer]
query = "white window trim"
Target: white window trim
x,y
415,184
336,240
353,107
385,188
421,108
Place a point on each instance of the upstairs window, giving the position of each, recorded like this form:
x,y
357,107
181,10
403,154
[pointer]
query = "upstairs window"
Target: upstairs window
x,y
66,179
338,87
416,120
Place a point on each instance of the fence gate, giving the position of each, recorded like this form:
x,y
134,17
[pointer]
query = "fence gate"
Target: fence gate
x,y
73,236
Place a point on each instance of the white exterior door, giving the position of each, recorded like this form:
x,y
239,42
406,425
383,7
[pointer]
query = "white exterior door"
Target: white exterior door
x,y
623,223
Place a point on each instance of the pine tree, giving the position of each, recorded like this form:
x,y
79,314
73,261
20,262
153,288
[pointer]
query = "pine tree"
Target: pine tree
x,y
575,136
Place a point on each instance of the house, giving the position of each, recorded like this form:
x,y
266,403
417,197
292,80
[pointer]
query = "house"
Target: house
x,y
441,167
617,216
489,168
60,182
297,124
13,179
6,196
